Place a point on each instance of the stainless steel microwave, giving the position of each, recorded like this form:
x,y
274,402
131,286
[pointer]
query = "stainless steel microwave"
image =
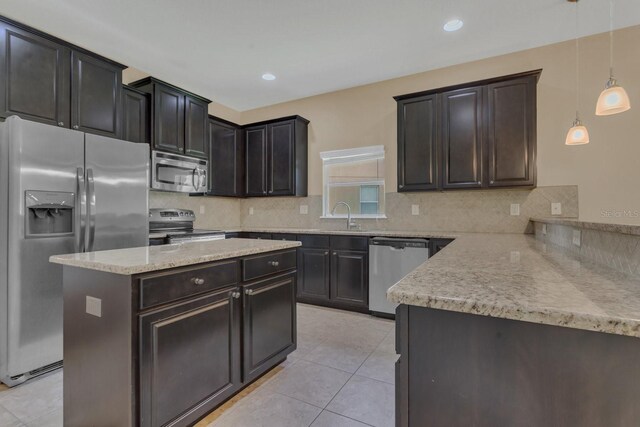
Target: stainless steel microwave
x,y
182,174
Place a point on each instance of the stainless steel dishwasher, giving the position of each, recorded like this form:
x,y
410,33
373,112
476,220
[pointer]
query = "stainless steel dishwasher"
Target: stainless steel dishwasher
x,y
390,259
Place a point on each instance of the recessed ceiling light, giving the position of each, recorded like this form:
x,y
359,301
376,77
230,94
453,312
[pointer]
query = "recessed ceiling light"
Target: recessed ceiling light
x,y
268,76
453,25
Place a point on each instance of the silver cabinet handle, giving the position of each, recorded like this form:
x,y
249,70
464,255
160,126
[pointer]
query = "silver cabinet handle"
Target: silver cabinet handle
x,y
479,182
400,186
76,127
274,263
60,123
326,253
335,253
197,281
491,182
235,294
248,291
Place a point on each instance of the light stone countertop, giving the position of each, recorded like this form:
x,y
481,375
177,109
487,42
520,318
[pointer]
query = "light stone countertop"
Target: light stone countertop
x,y
151,258
599,226
515,276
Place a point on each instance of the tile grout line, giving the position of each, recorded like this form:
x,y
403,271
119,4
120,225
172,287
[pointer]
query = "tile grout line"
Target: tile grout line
x,y
353,419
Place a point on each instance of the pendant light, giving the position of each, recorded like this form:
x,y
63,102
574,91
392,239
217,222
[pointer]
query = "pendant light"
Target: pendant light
x,y
578,134
614,98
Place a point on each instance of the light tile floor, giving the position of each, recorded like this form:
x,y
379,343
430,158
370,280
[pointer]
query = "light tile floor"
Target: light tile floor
x,y
341,375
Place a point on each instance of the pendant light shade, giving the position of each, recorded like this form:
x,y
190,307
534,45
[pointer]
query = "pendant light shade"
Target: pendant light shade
x,y
612,100
578,134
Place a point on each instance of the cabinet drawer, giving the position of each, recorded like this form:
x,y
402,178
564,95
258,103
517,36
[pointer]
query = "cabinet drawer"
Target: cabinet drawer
x,y
267,264
314,241
176,284
356,243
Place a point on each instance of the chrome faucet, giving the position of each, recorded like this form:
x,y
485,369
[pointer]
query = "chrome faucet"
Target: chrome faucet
x,y
350,223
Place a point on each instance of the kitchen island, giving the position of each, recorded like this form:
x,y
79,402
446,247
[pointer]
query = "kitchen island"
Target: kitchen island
x,y
162,335
506,330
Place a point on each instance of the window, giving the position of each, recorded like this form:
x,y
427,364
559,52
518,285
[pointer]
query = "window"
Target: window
x,y
356,177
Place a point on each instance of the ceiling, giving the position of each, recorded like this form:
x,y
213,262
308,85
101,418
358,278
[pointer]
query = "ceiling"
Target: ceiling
x,y
221,48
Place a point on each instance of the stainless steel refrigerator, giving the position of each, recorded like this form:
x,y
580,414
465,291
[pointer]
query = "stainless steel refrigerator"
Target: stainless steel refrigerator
x,y
61,191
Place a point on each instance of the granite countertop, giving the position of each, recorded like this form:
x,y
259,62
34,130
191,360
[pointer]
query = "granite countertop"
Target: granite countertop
x,y
151,258
600,226
515,276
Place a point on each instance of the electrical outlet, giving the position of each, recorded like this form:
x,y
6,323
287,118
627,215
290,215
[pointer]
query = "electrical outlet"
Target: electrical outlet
x,y
515,209
556,208
304,209
577,238
201,209
94,306
415,209
250,211
544,229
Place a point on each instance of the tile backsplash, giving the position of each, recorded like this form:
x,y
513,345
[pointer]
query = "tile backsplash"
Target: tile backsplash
x,y
461,211
219,212
616,250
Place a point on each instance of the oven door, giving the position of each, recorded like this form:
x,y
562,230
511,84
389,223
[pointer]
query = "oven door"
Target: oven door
x,y
171,172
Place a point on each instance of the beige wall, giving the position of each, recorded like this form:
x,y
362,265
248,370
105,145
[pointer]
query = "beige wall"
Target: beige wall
x,y
606,171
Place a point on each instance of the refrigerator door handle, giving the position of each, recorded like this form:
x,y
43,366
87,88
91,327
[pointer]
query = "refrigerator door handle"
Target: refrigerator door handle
x,y
91,209
81,210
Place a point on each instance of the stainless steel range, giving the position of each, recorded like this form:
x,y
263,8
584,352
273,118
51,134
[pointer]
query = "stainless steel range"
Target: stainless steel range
x,y
167,226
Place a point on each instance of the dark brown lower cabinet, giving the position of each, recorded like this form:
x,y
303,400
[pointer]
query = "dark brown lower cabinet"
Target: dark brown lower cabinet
x,y
350,277
269,327
313,273
459,369
170,346
334,271
190,356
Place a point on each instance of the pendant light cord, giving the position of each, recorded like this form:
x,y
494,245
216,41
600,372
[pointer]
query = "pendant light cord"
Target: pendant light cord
x,y
577,66
611,39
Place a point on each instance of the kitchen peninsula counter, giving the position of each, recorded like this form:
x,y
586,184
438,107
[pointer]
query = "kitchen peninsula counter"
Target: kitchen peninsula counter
x,y
515,276
509,330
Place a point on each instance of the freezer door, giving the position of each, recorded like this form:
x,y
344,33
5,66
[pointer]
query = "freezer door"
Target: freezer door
x,y
117,180
41,185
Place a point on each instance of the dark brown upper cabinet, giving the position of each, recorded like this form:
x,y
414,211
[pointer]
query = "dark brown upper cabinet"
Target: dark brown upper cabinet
x,y
462,138
96,95
135,115
226,161
178,118
256,160
196,141
48,80
511,132
475,135
417,144
276,157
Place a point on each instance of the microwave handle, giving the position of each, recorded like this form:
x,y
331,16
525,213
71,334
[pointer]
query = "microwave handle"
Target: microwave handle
x,y
197,178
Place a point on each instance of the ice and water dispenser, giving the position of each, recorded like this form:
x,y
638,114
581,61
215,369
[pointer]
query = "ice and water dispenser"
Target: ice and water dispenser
x,y
49,213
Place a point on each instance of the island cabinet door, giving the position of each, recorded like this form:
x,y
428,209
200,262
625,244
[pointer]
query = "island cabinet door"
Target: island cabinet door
x,y
269,333
189,358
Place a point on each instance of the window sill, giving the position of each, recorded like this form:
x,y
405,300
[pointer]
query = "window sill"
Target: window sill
x,y
359,216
